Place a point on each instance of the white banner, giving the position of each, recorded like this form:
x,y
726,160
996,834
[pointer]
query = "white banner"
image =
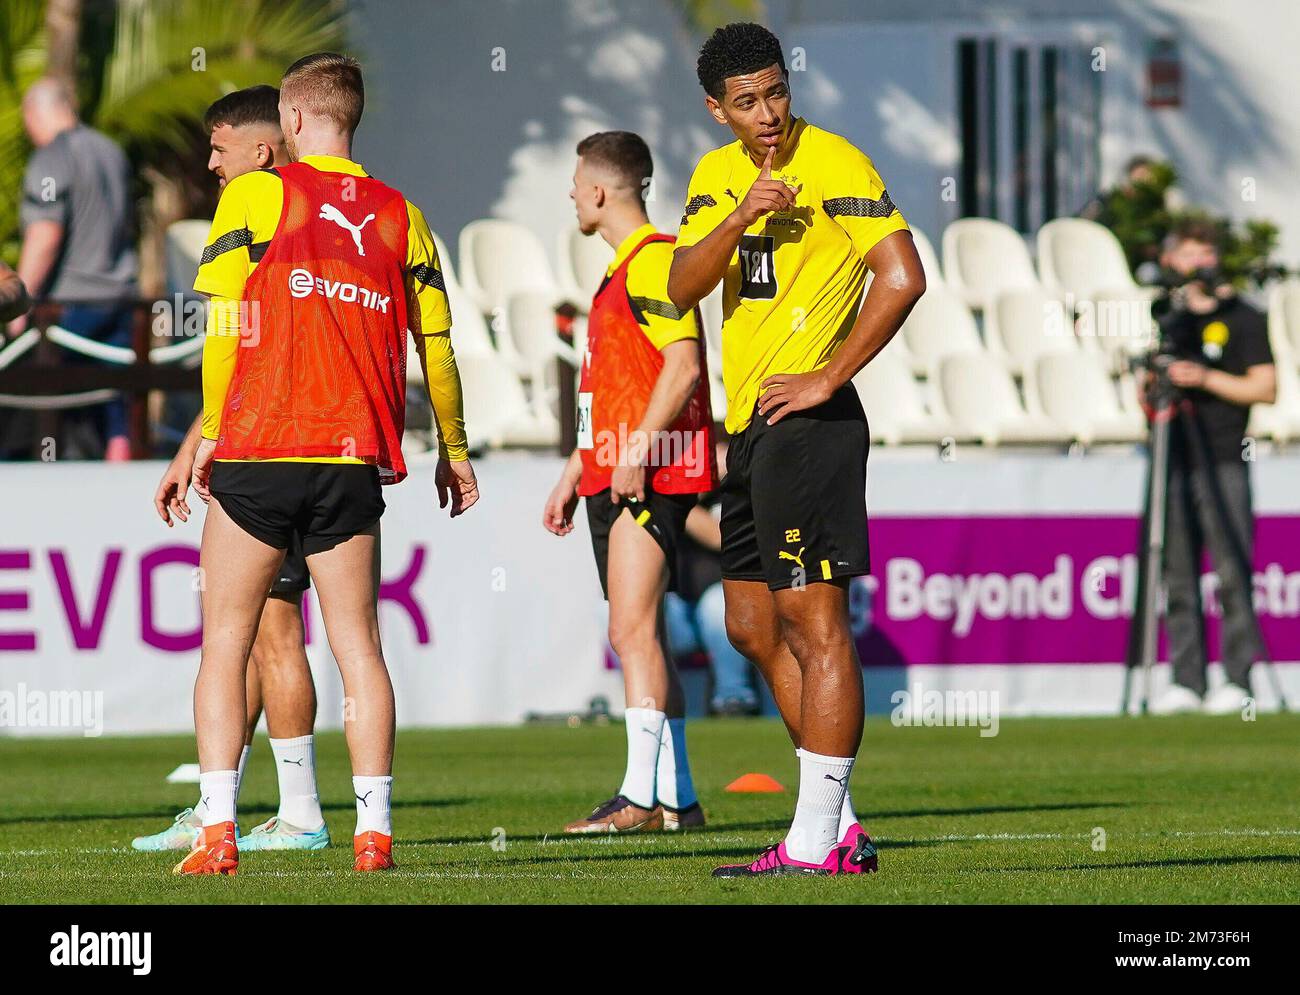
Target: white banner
x,y
485,618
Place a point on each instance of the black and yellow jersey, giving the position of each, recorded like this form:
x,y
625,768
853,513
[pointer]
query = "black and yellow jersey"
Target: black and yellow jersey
x,y
793,289
246,219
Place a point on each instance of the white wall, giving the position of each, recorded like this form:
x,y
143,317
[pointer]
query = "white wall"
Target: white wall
x,y
467,142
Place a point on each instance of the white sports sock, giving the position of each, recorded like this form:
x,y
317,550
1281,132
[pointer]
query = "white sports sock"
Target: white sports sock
x,y
848,817
239,774
673,782
217,789
295,766
374,797
823,782
645,731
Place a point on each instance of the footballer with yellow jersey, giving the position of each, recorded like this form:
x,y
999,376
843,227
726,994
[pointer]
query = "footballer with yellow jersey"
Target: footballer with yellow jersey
x,y
789,218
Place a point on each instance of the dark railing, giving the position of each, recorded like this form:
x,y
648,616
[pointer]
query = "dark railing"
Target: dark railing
x,y
45,372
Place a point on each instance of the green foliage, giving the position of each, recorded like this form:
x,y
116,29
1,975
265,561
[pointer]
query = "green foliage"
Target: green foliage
x,y
149,70
705,15
22,59
1140,216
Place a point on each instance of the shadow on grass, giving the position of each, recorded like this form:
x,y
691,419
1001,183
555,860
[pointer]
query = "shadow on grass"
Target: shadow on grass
x,y
164,812
1128,865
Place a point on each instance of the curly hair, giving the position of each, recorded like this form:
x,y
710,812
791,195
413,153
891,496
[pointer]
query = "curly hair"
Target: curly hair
x,y
736,50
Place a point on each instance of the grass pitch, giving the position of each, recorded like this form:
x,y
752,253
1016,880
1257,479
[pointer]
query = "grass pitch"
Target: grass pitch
x,y
1184,810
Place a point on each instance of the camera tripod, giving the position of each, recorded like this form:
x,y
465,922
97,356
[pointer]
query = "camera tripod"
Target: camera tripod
x,y
1169,404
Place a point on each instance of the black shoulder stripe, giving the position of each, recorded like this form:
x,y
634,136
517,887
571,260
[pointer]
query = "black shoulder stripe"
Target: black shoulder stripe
x,y
240,238
695,203
661,309
430,277
860,207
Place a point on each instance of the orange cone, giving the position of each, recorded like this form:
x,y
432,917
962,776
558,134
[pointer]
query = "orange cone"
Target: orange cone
x,y
755,784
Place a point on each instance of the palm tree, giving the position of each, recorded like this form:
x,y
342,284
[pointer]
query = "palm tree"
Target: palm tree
x,y
147,70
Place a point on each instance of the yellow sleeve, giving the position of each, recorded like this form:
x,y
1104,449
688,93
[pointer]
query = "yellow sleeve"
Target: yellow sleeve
x,y
424,275
707,203
855,198
247,215
647,290
430,317
220,350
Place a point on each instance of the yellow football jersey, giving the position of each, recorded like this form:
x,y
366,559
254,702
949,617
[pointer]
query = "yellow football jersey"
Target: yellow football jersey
x,y
793,289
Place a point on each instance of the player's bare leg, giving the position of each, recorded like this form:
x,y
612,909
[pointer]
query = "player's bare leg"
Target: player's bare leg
x,y
347,584
761,625
279,671
637,577
755,630
236,571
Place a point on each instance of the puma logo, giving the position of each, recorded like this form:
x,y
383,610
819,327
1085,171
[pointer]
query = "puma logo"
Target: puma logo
x,y
793,557
843,782
296,763
728,192
328,212
362,798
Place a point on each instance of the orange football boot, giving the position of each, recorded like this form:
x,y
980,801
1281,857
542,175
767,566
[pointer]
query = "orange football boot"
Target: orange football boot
x,y
214,852
374,852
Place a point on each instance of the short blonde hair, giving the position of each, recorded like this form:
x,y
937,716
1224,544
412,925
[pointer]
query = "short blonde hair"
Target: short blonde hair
x,y
327,85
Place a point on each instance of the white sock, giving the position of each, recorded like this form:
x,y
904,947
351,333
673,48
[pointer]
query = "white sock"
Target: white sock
x,y
239,774
823,782
295,766
645,731
217,789
847,816
673,782
374,798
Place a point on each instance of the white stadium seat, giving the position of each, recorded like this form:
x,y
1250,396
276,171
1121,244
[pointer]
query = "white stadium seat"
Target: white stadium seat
x,y
1117,324
1284,322
1075,390
892,400
1024,323
444,260
499,258
497,410
929,260
1279,421
583,260
977,394
711,315
982,257
939,324
1082,258
184,243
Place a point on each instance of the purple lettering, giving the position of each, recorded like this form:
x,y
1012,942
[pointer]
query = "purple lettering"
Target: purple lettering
x,y
16,601
85,636
400,591
174,642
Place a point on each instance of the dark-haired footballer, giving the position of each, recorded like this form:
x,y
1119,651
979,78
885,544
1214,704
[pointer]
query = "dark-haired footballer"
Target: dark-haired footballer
x,y
790,218
244,136
644,455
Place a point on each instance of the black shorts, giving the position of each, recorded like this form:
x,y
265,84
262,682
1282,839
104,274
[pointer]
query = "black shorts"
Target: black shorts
x,y
323,503
662,515
794,500
293,577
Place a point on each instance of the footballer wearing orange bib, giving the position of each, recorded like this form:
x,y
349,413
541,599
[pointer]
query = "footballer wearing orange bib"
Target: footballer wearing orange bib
x,y
645,452
316,272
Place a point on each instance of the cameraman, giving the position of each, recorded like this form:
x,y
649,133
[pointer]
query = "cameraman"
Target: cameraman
x,y
1222,365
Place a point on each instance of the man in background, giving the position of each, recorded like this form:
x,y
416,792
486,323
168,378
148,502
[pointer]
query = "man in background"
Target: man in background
x,y
1224,366
78,233
245,136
